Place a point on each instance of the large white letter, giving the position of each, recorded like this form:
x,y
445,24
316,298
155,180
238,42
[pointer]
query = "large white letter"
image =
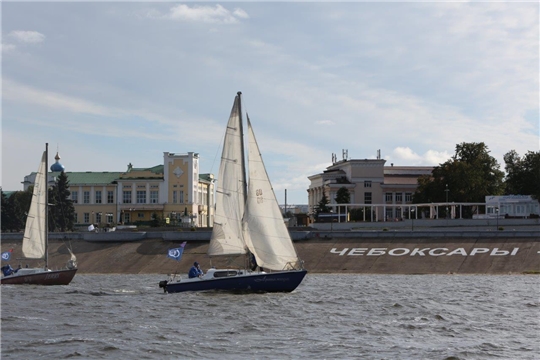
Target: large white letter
x,y
377,251
357,251
419,251
334,251
479,251
433,253
404,251
460,251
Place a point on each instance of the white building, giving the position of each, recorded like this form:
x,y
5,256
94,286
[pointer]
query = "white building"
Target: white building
x,y
514,206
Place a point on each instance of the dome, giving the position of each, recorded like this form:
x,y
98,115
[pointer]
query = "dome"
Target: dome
x,y
57,167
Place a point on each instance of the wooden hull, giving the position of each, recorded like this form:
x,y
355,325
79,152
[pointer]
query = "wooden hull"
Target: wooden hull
x,y
58,277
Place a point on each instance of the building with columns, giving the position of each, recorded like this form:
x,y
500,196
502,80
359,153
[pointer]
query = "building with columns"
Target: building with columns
x,y
174,190
385,191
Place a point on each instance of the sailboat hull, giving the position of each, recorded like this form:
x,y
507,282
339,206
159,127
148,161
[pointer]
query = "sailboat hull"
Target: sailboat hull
x,y
285,281
58,277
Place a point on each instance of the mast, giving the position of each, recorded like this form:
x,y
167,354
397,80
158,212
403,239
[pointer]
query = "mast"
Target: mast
x,y
243,146
46,205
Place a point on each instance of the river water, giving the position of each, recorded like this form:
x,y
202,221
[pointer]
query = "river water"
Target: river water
x,y
327,317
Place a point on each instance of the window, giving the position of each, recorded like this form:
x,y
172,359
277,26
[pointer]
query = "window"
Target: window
x,y
408,197
110,197
75,218
86,197
140,215
388,197
98,197
367,184
399,198
174,197
109,218
181,197
98,218
367,198
141,197
127,197
74,196
86,218
153,197
127,217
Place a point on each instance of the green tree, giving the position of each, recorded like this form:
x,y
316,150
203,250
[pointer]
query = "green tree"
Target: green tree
x,y
19,202
8,215
343,196
62,211
322,206
522,174
470,175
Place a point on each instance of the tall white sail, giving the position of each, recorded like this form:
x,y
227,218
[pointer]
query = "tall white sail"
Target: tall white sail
x,y
265,232
34,240
227,237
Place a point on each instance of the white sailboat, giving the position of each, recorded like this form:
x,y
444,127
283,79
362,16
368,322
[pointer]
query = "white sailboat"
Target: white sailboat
x,y
247,221
35,240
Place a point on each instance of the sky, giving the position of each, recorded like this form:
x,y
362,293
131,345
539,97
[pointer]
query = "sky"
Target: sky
x,y
112,83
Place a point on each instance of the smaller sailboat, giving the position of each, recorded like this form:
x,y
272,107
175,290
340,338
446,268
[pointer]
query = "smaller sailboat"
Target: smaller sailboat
x,y
247,224
35,240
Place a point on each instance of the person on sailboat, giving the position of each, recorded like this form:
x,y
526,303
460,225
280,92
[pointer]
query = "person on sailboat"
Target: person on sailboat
x,y
7,270
195,271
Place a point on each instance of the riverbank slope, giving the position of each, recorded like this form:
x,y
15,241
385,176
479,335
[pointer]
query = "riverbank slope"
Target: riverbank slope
x,y
325,253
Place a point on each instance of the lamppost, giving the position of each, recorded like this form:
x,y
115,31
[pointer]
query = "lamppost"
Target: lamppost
x,y
446,191
331,221
412,218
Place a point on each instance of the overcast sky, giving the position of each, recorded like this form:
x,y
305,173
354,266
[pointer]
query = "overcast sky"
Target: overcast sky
x,y
109,84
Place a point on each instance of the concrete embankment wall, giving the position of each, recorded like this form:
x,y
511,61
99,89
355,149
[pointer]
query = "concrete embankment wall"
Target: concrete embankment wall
x,y
323,252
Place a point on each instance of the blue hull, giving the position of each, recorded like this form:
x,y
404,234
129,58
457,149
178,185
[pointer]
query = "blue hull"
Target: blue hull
x,y
285,281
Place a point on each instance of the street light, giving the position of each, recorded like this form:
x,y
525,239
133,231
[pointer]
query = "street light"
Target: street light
x,y
412,218
446,191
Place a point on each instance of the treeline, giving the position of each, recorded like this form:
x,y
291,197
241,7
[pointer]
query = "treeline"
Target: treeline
x,y
61,210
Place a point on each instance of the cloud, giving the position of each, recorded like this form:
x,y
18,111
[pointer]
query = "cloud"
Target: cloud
x,y
205,14
406,156
28,37
325,122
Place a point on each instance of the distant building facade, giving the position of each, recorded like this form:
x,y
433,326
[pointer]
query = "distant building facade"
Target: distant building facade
x,y
174,190
513,206
385,190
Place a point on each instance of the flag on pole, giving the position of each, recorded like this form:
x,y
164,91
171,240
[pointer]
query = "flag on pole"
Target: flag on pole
x,y
7,255
176,253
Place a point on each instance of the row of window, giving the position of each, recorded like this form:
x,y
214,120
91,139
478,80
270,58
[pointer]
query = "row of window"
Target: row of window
x,y
126,197
140,197
86,197
399,197
177,197
98,218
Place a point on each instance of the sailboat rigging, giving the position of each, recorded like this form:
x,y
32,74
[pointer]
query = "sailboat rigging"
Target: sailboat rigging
x,y
35,240
248,222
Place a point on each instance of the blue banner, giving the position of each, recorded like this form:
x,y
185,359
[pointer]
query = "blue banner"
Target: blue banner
x,y
176,253
6,255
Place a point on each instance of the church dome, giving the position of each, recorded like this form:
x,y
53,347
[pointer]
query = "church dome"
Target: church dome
x,y
57,167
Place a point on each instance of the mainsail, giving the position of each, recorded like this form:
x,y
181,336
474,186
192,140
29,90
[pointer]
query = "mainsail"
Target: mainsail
x,y
265,232
227,236
34,240
248,218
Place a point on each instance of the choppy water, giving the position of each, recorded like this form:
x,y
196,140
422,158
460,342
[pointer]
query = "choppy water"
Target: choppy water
x,y
327,317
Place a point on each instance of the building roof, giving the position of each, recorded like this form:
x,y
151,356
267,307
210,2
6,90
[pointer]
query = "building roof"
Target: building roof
x,y
90,177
